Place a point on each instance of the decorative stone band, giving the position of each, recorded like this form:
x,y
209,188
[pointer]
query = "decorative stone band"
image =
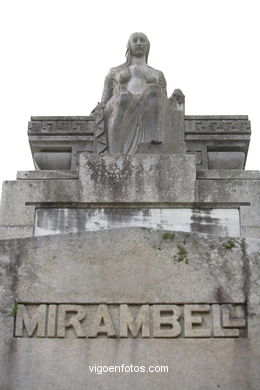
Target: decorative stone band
x,y
219,124
218,141
123,321
61,125
203,124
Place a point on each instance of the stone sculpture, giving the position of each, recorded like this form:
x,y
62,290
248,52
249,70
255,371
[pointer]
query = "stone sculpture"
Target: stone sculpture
x,y
134,108
109,261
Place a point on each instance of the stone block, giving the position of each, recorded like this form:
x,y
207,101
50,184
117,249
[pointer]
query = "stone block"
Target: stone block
x,y
222,222
8,232
137,178
52,160
56,141
47,175
137,185
19,198
200,132
133,297
226,160
227,188
218,141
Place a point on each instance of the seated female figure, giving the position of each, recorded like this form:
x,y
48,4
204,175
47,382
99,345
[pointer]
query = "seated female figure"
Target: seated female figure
x,y
136,108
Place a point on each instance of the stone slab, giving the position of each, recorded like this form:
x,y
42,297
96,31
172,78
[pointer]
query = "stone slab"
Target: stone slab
x,y
217,124
222,222
138,178
214,189
52,160
104,258
62,118
226,160
199,131
134,267
47,175
229,190
228,174
8,232
17,195
216,117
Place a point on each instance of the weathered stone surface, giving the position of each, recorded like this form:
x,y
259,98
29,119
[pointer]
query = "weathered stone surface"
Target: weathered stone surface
x,y
226,160
129,266
125,296
157,255
55,141
232,190
52,160
221,222
60,125
228,175
47,175
164,148
134,107
238,124
220,132
213,136
138,178
8,232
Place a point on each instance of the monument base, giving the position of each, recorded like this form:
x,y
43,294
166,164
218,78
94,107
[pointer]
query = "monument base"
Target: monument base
x,y
129,308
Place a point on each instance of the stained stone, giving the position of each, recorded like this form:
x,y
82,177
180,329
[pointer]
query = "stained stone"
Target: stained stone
x,y
130,257
173,306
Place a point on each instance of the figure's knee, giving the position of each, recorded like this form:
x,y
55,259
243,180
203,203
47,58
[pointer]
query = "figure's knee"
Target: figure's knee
x,y
124,99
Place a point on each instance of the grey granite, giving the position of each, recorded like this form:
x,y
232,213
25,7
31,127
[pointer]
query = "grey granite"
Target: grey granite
x,y
138,178
221,222
132,296
131,267
134,108
47,175
202,133
135,181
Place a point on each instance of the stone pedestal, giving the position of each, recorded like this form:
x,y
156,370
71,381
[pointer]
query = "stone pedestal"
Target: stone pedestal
x,y
133,299
132,272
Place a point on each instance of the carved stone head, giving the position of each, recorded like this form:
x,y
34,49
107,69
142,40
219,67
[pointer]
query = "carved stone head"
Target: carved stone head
x,y
137,45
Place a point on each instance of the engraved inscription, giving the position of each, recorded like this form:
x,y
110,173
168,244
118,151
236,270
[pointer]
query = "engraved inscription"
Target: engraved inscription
x,y
77,314
34,321
123,321
166,321
102,323
194,323
128,323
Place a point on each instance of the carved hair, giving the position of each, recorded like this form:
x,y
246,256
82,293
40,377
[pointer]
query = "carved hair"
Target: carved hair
x,y
128,51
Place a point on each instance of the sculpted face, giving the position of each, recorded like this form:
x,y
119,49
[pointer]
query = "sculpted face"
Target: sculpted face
x,y
138,44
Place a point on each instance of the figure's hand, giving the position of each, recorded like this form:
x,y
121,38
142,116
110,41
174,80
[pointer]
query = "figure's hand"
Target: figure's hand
x,y
99,106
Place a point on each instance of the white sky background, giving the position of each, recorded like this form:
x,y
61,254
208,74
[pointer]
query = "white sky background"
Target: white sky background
x,y
55,55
